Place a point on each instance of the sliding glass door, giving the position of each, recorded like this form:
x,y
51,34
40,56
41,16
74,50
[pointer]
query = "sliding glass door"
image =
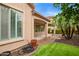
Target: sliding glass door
x,y
19,24
4,22
10,23
16,24
13,24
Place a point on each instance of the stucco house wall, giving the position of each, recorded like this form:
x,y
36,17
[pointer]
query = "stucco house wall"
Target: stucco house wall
x,y
26,24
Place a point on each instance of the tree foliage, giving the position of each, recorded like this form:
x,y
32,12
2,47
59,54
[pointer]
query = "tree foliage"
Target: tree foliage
x,y
68,19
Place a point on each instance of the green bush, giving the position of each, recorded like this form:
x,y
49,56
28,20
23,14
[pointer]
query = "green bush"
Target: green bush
x,y
58,32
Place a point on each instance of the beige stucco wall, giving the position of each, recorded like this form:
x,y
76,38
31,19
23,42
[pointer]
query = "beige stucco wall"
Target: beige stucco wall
x,y
27,27
46,29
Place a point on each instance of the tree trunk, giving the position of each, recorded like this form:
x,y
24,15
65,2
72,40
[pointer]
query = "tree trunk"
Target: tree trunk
x,y
72,33
67,33
62,31
77,29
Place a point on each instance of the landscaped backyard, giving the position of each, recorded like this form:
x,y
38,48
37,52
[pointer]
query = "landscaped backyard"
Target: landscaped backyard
x,y
54,35
57,49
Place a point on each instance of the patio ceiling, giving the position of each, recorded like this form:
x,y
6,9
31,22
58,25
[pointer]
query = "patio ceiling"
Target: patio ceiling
x,y
39,22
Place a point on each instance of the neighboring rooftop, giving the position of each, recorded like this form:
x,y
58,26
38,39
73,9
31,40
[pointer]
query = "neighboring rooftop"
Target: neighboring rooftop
x,y
49,17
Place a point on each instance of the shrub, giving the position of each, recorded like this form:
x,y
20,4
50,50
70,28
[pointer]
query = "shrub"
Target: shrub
x,y
58,32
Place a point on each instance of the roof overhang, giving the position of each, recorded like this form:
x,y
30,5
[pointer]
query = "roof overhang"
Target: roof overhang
x,y
39,15
31,5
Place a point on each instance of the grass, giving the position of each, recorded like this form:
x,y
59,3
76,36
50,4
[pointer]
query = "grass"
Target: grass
x,y
57,49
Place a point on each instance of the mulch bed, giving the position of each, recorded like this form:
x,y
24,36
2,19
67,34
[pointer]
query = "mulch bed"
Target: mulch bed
x,y
71,42
21,51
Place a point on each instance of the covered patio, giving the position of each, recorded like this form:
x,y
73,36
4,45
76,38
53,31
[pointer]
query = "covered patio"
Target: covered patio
x,y
39,29
40,26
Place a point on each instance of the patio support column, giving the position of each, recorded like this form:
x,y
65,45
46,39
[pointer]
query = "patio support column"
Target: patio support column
x,y
32,28
54,31
46,29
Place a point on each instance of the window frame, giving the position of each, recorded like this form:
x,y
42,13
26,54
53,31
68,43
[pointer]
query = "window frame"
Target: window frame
x,y
0,24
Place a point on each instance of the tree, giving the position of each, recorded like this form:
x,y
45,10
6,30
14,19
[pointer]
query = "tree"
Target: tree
x,y
68,19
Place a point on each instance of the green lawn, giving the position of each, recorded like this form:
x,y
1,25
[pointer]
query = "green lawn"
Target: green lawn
x,y
57,49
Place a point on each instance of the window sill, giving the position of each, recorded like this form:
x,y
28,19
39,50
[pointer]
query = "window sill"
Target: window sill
x,y
10,41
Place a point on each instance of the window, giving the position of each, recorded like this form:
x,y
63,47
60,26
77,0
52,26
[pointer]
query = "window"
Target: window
x,y
10,23
13,24
19,25
39,28
4,22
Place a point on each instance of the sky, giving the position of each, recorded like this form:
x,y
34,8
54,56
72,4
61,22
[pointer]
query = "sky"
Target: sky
x,y
47,9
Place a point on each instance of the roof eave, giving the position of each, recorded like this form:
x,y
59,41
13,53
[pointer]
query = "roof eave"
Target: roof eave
x,y
34,12
31,5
